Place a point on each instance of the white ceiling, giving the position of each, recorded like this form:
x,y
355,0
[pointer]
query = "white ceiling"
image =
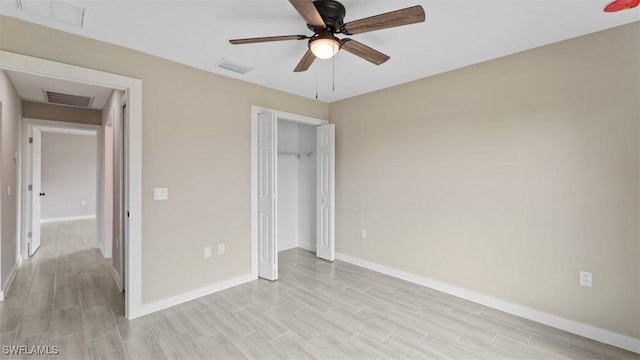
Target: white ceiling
x,y
457,33
31,87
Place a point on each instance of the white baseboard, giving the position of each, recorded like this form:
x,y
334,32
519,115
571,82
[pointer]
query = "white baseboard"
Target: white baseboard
x,y
12,275
67,218
287,246
116,278
194,294
588,331
106,253
307,246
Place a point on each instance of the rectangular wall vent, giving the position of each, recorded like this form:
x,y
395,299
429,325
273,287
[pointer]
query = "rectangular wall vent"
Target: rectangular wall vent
x,y
67,99
234,66
58,10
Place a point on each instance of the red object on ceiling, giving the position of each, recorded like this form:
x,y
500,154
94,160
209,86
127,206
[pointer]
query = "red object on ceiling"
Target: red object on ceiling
x,y
619,5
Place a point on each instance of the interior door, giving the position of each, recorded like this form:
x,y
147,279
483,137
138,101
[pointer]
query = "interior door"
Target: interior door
x,y
325,183
124,219
267,165
36,191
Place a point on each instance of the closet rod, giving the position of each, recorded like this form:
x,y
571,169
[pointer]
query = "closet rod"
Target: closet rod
x,y
294,153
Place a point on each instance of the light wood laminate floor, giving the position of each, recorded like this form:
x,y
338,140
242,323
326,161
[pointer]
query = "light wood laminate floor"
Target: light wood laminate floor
x,y
65,296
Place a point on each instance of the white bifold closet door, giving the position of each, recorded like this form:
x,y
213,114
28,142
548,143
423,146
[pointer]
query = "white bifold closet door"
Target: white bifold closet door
x,y
267,182
267,185
325,184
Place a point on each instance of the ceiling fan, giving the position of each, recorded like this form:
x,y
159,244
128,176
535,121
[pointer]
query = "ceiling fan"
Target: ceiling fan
x,y
326,18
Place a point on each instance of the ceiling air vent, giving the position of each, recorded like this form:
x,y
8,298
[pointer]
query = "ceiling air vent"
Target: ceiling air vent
x,y
234,66
58,10
67,99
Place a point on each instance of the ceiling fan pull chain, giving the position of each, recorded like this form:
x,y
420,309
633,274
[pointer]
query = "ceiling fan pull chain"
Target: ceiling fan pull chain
x,y
316,85
333,70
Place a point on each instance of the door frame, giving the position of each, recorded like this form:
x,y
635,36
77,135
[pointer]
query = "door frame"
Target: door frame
x,y
124,189
280,115
133,89
45,126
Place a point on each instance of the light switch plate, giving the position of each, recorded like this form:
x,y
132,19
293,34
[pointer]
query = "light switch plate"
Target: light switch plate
x,y
207,251
160,193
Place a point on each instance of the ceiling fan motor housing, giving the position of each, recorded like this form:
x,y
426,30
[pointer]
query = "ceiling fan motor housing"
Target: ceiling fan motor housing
x,y
332,12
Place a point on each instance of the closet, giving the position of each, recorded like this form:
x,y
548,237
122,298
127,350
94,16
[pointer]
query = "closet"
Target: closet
x,y
296,211
292,187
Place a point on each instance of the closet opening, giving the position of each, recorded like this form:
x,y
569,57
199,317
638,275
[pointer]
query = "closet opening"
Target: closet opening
x,y
292,187
296,210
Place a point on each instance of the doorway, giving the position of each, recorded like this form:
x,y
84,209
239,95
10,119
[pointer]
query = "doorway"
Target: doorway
x,y
63,168
307,151
133,92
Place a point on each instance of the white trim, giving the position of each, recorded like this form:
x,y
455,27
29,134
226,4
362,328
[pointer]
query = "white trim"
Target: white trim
x,y
133,88
287,246
307,246
280,115
302,119
12,275
195,294
254,190
67,218
116,278
68,130
588,331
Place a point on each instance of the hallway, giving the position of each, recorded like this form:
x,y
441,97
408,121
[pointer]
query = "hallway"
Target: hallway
x,y
64,295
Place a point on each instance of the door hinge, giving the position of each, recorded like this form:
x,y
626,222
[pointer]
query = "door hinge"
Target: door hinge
x,y
127,214
30,188
30,140
29,234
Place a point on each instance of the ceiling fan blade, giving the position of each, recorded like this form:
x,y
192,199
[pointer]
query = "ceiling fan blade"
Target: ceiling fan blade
x,y
267,39
305,62
308,11
411,15
361,50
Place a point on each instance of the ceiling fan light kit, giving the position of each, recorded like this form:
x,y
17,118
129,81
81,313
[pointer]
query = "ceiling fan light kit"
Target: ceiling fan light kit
x,y
326,18
324,46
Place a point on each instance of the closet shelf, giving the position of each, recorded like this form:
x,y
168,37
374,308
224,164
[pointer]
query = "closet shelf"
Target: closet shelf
x,y
296,154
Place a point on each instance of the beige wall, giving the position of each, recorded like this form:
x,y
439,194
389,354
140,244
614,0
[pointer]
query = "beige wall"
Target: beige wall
x,y
10,119
506,178
195,141
68,171
524,169
43,111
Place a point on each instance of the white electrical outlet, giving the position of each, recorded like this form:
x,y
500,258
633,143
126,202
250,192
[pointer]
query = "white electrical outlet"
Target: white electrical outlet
x,y
586,279
220,249
207,252
363,233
